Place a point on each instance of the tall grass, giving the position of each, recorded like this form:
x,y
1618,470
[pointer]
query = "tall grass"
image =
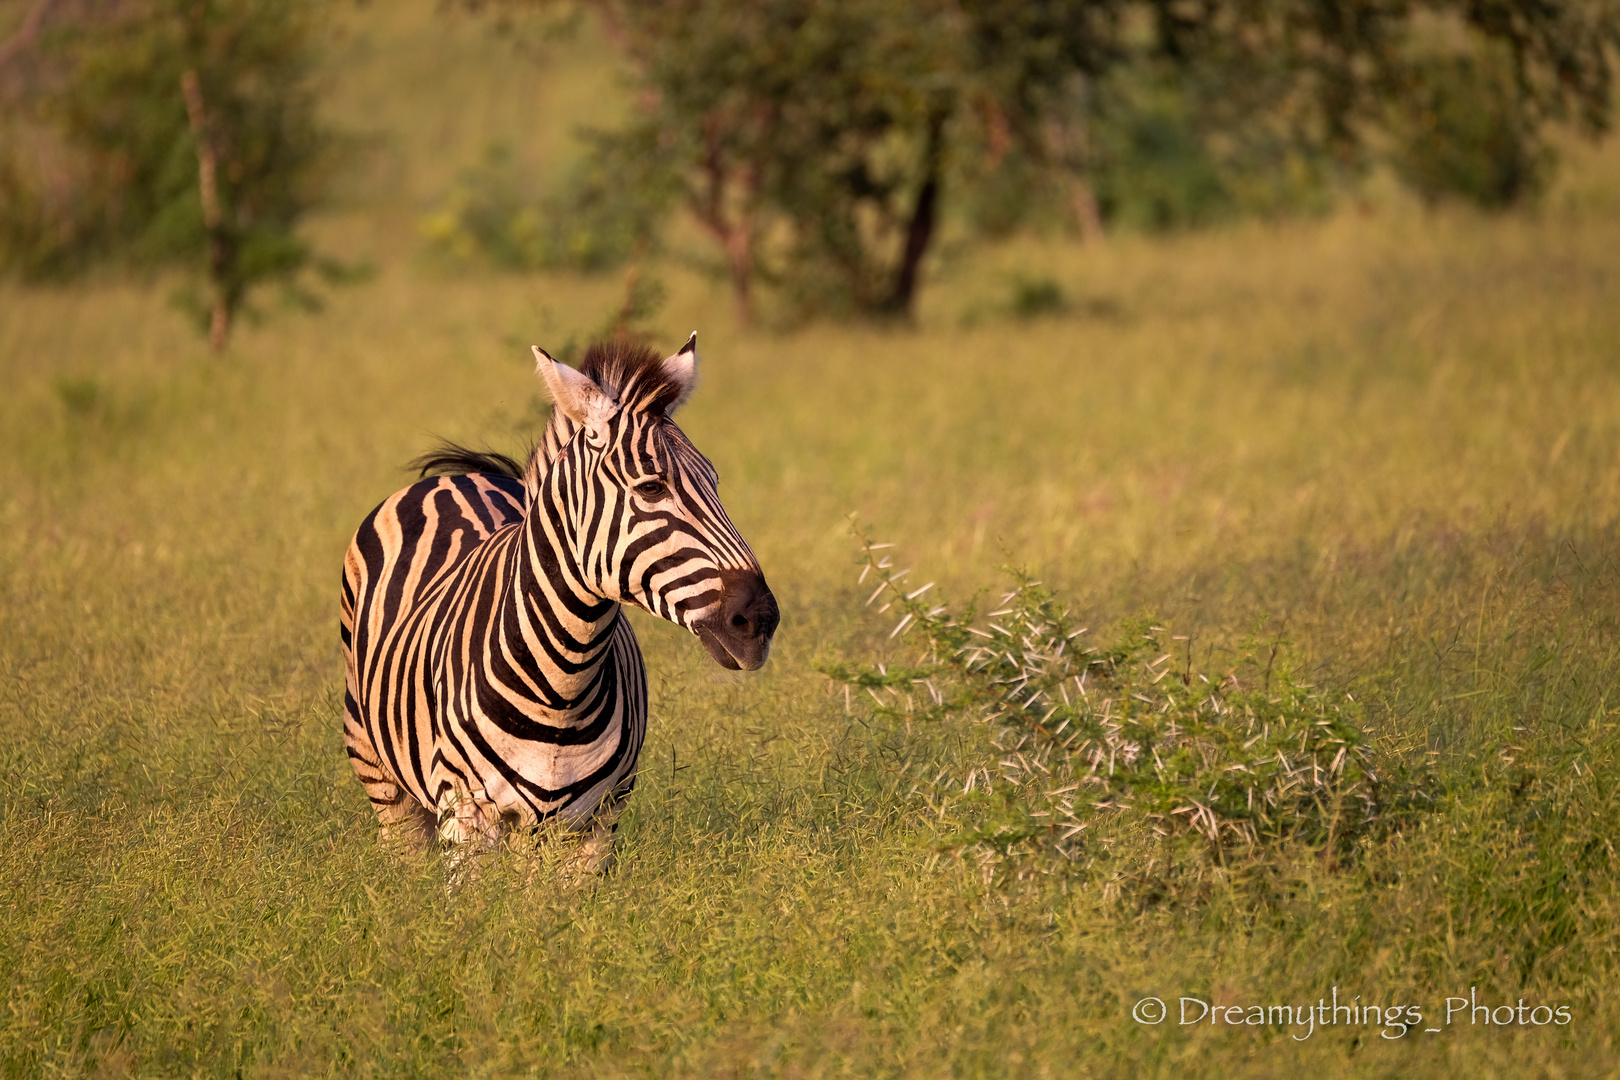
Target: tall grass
x,y
1392,440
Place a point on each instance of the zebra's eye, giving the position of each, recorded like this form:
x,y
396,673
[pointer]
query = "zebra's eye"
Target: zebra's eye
x,y
652,490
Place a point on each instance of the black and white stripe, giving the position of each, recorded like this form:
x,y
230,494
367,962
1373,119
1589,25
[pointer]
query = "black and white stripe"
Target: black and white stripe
x,y
492,679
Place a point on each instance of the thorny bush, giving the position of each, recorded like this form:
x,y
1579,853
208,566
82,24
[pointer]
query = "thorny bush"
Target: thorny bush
x,y
1123,763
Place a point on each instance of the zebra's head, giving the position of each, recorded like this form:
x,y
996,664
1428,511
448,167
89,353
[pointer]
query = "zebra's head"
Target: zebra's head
x,y
637,507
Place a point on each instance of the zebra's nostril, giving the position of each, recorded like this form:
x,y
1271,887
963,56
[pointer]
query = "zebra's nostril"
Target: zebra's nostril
x,y
740,621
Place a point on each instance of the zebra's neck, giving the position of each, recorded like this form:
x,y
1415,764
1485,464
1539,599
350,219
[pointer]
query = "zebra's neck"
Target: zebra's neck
x,y
565,624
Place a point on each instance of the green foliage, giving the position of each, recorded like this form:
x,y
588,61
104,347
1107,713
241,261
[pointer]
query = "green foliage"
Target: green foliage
x,y
997,195
45,228
1154,154
608,210
80,396
1036,296
846,167
1466,133
188,136
1098,750
814,142
1152,168
821,145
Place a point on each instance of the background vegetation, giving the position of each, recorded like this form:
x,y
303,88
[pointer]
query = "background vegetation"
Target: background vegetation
x,y
823,146
164,133
1387,437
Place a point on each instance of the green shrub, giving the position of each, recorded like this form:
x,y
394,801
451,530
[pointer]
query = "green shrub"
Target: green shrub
x,y
1124,762
609,208
1153,171
1036,296
1467,134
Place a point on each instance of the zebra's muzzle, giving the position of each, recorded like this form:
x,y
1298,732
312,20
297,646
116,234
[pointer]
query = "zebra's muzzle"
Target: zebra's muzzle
x,y
738,634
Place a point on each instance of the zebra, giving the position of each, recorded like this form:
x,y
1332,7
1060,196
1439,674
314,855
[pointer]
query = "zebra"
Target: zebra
x,y
492,680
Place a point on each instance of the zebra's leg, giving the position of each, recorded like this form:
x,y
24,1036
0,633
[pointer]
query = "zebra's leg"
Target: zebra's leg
x,y
403,820
400,818
468,818
595,852
593,848
469,825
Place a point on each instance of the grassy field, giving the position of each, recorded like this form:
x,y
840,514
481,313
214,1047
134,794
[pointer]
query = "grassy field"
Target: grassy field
x,y
1390,437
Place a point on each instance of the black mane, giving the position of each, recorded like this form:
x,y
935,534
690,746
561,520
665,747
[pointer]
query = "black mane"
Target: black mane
x,y
453,459
633,375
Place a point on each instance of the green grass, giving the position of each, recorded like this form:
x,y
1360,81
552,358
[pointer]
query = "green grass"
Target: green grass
x,y
1392,439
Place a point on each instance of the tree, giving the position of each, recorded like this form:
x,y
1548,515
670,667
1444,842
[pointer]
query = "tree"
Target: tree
x,y
193,131
1337,68
828,129
1466,133
816,141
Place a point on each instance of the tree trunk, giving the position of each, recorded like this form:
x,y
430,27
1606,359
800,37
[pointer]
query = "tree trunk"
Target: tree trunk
x,y
219,249
920,230
1086,212
1067,148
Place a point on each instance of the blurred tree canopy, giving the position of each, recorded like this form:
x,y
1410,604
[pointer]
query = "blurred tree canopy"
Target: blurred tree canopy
x,y
164,132
818,142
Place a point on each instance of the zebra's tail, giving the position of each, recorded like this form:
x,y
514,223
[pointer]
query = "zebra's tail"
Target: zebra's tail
x,y
453,459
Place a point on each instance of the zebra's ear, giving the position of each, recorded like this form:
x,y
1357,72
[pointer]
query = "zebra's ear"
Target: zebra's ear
x,y
580,399
681,369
